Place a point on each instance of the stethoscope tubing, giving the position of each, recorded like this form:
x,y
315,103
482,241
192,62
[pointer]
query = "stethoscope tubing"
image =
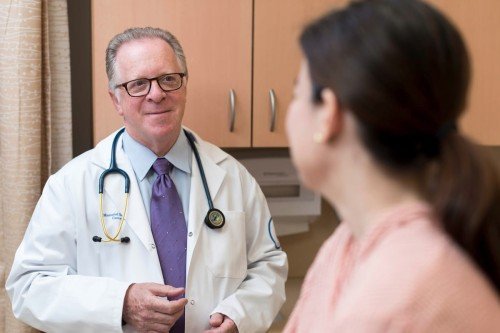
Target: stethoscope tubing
x,y
113,168
215,218
191,140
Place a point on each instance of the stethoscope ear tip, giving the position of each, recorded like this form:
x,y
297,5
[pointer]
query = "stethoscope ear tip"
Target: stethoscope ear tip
x,y
98,239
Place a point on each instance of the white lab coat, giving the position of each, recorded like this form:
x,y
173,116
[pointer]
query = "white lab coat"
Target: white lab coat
x,y
62,281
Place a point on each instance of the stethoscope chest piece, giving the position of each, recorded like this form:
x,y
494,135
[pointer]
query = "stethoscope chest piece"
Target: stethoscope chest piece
x,y
215,219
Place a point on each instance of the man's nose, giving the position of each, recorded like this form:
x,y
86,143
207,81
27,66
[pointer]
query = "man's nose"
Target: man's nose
x,y
156,94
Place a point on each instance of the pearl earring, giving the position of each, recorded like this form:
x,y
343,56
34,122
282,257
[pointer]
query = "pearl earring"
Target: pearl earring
x,y
319,137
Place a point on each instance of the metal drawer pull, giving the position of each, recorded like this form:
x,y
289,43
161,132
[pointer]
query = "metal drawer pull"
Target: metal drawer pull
x,y
232,110
272,101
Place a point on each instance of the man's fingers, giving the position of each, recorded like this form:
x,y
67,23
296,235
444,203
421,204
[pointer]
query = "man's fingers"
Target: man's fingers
x,y
174,292
162,290
147,312
163,305
221,324
216,319
158,317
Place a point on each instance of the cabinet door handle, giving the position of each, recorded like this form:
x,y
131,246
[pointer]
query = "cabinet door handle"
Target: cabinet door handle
x,y
272,102
232,110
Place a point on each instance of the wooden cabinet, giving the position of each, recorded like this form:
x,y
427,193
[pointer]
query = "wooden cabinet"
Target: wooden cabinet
x,y
250,48
276,60
243,48
217,44
479,24
217,39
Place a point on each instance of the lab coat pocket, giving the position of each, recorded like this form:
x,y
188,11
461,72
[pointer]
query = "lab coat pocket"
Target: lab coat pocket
x,y
225,255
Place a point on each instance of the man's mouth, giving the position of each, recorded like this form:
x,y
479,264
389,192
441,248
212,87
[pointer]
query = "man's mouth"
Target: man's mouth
x,y
158,112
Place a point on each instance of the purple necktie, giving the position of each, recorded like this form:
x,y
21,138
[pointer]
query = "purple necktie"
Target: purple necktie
x,y
169,230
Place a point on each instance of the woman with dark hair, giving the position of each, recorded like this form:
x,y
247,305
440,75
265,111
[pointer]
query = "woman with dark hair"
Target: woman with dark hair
x,y
373,127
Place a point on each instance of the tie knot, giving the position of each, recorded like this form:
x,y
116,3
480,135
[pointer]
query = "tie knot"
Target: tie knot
x,y
162,166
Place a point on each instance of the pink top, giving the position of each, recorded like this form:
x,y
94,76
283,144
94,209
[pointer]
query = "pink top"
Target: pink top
x,y
403,275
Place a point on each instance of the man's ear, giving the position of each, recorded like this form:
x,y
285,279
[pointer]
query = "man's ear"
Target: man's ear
x,y
116,102
329,115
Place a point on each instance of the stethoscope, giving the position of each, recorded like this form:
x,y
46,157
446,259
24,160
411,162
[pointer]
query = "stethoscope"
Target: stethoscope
x,y
214,219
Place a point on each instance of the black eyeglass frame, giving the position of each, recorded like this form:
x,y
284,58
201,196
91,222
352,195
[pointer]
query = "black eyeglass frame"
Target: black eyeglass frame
x,y
124,85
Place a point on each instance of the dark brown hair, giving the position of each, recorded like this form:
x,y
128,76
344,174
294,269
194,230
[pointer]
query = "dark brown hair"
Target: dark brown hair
x,y
402,69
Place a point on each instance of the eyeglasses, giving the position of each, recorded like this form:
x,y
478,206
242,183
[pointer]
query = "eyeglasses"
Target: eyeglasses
x,y
141,87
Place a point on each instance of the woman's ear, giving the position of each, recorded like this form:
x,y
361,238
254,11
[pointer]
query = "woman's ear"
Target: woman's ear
x,y
329,117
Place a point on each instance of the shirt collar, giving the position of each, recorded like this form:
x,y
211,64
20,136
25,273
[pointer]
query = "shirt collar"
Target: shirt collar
x,y
142,158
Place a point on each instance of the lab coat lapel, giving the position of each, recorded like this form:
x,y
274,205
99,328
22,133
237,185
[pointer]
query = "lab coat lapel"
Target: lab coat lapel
x,y
198,205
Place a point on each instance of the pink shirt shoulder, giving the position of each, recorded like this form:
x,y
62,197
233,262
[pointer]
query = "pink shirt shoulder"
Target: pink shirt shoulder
x,y
404,275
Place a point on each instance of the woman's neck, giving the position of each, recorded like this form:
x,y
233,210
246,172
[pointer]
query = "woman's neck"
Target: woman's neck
x,y
361,191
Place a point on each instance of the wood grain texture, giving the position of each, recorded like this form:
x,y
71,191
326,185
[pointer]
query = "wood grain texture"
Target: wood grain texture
x,y
216,38
479,24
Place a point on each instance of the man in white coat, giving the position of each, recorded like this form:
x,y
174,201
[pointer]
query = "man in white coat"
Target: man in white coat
x,y
71,273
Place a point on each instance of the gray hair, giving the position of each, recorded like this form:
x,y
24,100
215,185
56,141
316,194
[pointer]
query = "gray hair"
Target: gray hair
x,y
135,34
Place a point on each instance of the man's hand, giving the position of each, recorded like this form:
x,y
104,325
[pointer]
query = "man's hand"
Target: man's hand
x,y
148,309
222,324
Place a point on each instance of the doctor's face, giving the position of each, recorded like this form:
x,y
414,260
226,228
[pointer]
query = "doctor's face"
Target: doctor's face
x,y
155,118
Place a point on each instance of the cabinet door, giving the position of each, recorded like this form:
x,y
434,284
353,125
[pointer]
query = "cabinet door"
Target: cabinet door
x,y
480,27
216,37
277,26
